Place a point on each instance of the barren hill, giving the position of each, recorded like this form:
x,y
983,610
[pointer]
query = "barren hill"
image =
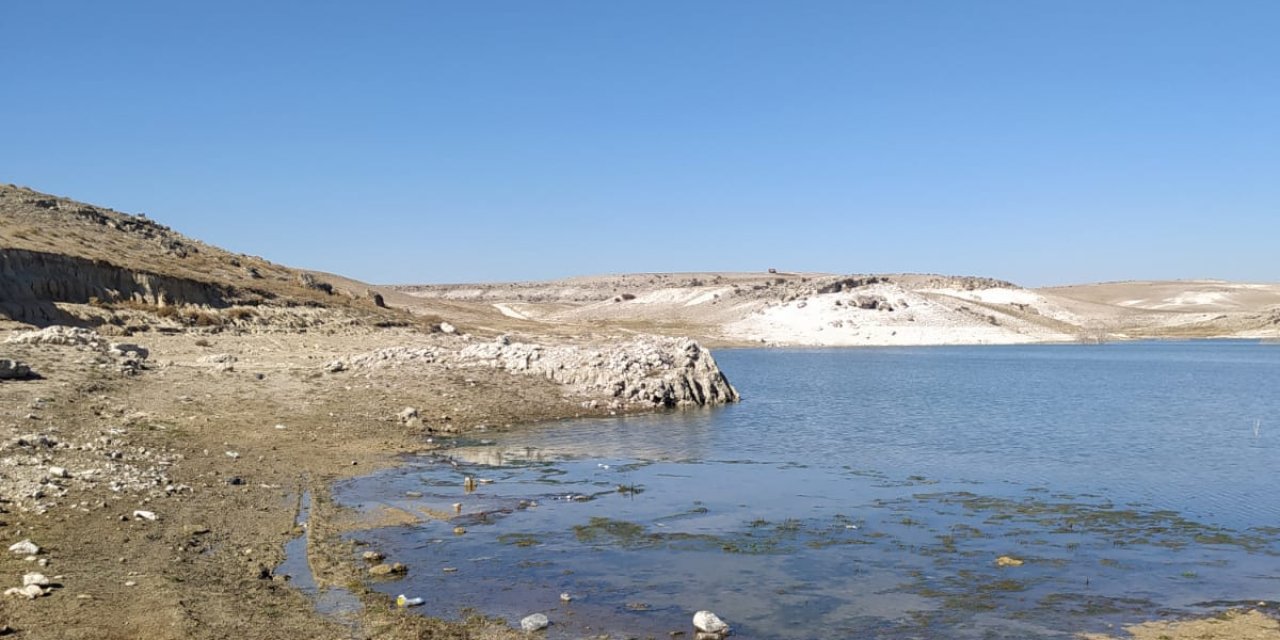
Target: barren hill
x,y
68,262
813,309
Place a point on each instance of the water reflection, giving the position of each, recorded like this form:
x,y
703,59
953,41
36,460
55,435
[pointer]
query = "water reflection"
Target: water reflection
x,y
683,435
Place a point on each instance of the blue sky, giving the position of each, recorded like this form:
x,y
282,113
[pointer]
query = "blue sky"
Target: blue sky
x,y
397,142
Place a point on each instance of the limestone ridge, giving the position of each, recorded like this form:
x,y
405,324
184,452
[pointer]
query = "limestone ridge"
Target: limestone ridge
x,y
647,371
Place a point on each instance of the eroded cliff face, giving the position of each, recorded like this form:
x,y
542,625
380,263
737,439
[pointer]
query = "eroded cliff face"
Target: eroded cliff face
x,y
31,281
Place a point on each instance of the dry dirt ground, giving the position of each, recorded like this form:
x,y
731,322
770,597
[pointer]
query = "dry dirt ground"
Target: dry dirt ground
x,y
162,437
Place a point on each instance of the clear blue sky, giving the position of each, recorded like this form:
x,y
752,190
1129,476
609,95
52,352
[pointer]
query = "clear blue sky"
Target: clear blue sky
x,y
1037,141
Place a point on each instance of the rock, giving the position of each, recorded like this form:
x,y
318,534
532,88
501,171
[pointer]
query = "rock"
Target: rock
x,y
24,548
564,597
59,472
38,579
13,370
372,556
1008,561
534,622
385,569
445,327
31,592
129,350
58,335
218,358
649,371
407,414
336,366
145,515
708,622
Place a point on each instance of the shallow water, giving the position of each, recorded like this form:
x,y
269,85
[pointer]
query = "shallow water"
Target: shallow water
x,y
869,492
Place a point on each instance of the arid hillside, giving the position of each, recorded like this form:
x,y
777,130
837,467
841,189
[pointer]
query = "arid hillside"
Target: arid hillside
x,y
66,262
863,310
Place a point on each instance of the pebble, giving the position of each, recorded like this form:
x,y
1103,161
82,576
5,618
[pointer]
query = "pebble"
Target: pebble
x,y
59,472
372,556
24,548
457,531
564,597
534,622
145,515
38,579
130,583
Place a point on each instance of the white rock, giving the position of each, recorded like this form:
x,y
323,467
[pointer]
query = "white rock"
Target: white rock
x,y
708,622
59,472
535,622
564,597
24,548
38,579
281,427
145,515
31,591
448,328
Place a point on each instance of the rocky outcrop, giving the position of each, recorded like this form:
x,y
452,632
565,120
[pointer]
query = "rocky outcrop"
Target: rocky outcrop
x,y
59,335
30,281
669,372
647,371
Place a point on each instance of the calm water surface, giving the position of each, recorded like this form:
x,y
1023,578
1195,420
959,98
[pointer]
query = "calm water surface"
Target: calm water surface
x,y
870,492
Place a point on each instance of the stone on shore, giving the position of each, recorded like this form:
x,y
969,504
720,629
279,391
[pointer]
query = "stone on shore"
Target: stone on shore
x,y
534,622
709,623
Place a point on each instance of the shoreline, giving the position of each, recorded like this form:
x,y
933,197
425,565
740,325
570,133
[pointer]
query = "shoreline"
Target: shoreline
x,y
211,555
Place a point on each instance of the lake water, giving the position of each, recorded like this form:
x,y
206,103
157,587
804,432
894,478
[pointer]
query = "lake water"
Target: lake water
x,y
869,493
